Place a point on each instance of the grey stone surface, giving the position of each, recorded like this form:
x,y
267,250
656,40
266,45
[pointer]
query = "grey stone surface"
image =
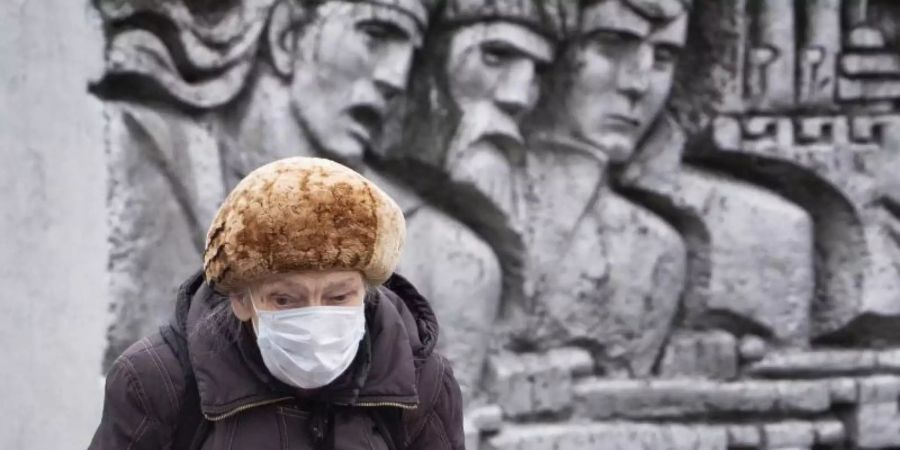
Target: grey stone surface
x,y
453,266
534,383
804,396
858,297
748,227
568,227
53,250
632,209
879,389
829,432
744,436
509,386
788,434
750,250
876,425
779,435
792,363
843,390
752,348
574,222
612,436
472,435
487,418
604,399
710,354
888,360
574,360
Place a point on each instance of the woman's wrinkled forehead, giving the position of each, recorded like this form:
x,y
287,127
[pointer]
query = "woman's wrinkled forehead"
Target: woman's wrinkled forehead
x,y
308,281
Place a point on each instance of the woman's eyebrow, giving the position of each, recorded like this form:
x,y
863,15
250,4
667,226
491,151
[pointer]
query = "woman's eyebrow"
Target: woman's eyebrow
x,y
338,285
288,285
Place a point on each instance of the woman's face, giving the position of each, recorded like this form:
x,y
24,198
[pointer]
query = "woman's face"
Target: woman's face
x,y
301,290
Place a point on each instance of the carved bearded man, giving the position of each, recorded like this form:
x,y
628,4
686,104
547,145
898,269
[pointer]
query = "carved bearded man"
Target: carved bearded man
x,y
201,93
479,77
607,272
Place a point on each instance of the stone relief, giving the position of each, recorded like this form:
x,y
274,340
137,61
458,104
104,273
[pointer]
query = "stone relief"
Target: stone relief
x,y
202,93
649,223
590,246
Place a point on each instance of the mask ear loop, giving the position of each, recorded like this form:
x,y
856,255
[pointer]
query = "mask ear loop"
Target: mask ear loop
x,y
253,323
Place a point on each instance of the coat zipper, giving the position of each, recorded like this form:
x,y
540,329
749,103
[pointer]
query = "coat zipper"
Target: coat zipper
x,y
406,406
243,408
248,406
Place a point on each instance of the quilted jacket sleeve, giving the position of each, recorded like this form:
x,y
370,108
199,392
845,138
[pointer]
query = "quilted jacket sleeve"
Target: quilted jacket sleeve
x,y
139,402
441,427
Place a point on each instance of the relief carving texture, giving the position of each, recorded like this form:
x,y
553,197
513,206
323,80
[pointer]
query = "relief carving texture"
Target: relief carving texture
x,y
648,223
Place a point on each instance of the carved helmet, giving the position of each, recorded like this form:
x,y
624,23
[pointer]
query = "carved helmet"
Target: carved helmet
x,y
543,16
661,9
654,10
299,214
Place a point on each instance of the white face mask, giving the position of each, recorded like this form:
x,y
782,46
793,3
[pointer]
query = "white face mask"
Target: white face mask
x,y
310,347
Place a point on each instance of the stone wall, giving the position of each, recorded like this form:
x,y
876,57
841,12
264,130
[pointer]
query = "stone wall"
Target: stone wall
x,y
662,222
53,235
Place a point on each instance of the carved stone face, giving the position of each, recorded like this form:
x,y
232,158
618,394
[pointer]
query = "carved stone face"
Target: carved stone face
x,y
623,65
348,64
492,73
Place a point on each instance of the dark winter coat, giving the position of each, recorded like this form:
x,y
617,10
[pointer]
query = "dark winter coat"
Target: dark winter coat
x,y
397,394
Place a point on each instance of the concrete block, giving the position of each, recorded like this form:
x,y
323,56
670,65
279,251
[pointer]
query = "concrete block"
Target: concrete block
x,y
508,385
744,436
829,432
576,361
876,425
804,396
843,390
708,354
793,363
879,389
486,418
788,434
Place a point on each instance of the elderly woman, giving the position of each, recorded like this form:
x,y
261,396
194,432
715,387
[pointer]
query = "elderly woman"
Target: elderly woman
x,y
297,335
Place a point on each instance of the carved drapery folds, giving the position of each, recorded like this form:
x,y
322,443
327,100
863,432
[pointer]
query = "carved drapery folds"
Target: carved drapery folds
x,y
620,209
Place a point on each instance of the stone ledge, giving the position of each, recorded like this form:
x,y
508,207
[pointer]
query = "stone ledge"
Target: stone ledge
x,y
708,354
531,383
826,363
601,399
623,435
609,436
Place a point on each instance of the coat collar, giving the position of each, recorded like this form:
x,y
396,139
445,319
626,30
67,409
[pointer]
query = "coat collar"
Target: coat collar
x,y
401,331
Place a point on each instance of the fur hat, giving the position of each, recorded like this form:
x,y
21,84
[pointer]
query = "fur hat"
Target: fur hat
x,y
300,214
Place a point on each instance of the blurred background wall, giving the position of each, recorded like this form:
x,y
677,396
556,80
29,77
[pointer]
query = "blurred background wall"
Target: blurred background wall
x,y
53,233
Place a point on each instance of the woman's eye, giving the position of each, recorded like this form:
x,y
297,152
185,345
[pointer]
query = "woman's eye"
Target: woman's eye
x,y
339,298
281,301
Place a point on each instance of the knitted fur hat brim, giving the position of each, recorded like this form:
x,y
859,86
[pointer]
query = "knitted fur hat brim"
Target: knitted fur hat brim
x,y
303,214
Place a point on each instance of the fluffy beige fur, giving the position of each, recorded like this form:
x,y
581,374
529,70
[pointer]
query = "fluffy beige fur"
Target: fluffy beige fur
x,y
300,214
